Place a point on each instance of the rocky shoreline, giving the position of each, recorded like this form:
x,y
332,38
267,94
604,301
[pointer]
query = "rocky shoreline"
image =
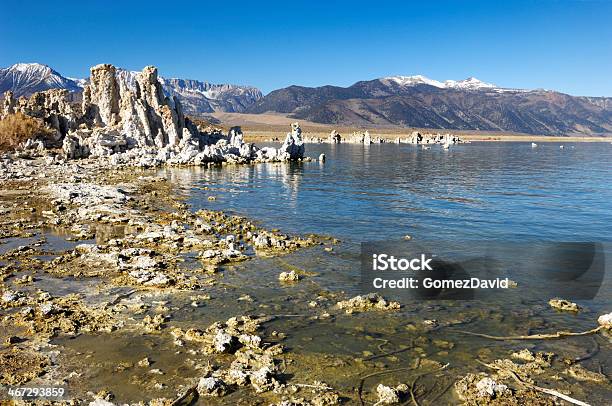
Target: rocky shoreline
x,y
135,231
98,252
133,123
126,235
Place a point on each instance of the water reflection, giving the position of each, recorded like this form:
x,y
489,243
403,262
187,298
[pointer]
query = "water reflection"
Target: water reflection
x,y
483,190
237,179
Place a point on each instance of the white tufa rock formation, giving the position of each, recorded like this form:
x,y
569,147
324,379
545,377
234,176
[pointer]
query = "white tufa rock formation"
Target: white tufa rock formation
x,y
51,106
359,137
137,124
294,145
144,115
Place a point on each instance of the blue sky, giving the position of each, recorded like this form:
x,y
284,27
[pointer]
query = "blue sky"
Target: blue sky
x,y
563,45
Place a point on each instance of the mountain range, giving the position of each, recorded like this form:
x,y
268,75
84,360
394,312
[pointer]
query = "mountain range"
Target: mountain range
x,y
23,79
416,101
406,101
196,97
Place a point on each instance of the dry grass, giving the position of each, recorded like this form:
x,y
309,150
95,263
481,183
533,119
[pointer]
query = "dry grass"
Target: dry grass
x,y
17,128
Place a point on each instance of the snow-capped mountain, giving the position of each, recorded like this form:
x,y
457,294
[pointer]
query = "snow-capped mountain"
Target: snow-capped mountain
x,y
27,78
470,83
417,101
195,96
409,101
410,81
201,97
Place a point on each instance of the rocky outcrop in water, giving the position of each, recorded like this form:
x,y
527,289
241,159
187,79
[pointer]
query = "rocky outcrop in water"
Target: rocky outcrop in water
x,y
335,137
364,137
293,145
445,139
137,124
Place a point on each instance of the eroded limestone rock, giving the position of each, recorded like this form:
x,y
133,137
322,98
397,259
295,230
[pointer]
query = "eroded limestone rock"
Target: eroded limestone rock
x,y
290,276
480,389
605,321
390,396
136,124
372,301
51,106
211,387
293,147
564,305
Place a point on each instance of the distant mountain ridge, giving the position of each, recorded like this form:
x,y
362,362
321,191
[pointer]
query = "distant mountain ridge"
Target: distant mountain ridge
x,y
407,101
23,79
417,101
196,97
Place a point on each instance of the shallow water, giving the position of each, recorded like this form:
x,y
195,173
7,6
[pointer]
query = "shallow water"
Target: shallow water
x,y
382,192
501,191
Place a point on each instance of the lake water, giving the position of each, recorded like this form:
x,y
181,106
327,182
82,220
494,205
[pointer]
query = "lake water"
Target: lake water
x,y
478,190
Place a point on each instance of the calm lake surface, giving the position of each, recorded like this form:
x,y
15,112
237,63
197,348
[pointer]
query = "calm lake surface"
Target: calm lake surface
x,y
479,192
473,191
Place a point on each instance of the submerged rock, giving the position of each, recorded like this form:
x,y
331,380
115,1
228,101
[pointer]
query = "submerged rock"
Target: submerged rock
x,y
372,301
582,374
564,305
605,321
290,276
212,387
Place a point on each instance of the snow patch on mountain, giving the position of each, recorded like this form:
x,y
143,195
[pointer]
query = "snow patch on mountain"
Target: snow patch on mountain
x,y
27,78
470,83
411,81
196,97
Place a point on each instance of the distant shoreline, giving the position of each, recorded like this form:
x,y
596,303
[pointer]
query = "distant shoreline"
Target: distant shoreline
x,y
533,138
258,127
262,135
